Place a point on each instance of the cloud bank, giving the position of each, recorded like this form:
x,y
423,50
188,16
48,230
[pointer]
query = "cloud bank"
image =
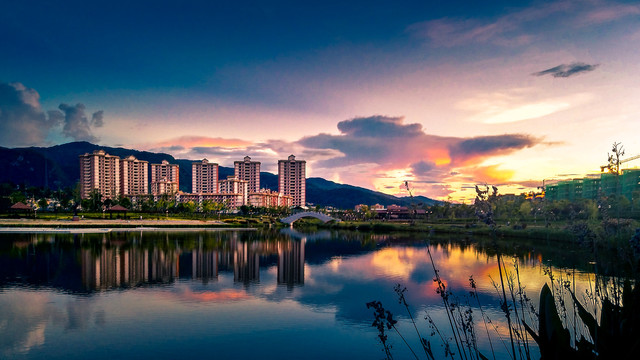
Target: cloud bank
x,y
76,124
387,146
375,152
24,123
22,120
388,142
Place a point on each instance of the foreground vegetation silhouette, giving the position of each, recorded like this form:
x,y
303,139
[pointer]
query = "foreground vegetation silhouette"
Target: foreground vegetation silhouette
x,y
605,325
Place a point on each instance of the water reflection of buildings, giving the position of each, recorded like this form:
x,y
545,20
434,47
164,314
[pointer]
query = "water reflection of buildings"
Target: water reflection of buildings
x,y
200,265
246,263
113,262
118,267
115,267
291,262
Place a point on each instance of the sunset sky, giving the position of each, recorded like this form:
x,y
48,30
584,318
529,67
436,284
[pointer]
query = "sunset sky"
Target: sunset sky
x,y
444,94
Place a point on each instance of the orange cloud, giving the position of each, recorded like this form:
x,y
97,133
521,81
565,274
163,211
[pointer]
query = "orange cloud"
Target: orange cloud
x,y
213,296
491,174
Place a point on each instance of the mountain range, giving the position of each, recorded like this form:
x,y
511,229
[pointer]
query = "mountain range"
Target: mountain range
x,y
58,167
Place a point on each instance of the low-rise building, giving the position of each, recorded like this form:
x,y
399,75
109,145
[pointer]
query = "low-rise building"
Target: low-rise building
x,y
269,199
234,186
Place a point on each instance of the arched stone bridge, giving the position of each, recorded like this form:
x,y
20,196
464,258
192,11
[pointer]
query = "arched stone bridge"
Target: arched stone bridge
x,y
293,218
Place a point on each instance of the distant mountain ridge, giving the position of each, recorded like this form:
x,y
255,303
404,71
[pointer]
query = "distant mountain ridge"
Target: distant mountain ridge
x,y
58,167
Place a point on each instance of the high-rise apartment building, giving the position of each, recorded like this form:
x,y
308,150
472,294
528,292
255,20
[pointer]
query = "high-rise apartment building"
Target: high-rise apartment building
x,y
248,171
99,171
134,176
292,179
165,178
204,178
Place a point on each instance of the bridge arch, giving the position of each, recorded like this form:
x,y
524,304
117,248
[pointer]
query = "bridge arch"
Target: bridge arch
x,y
295,217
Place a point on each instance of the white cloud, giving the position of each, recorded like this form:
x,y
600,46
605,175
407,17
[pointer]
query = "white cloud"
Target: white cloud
x,y
517,105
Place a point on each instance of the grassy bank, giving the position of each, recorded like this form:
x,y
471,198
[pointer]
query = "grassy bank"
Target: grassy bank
x,y
567,232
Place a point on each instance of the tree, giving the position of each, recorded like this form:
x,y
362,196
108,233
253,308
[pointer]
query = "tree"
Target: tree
x,y
614,167
95,200
591,209
525,209
17,196
43,203
614,159
124,201
209,206
190,206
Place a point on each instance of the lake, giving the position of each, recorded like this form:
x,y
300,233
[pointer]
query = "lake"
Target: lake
x,y
245,294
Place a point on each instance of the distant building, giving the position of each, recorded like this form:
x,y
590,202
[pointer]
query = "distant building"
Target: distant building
x,y
134,176
165,178
292,179
163,186
269,199
204,178
595,185
234,186
249,171
99,171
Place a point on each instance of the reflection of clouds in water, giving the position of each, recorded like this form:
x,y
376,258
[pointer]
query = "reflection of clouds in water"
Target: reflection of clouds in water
x,y
26,315
345,284
34,338
394,262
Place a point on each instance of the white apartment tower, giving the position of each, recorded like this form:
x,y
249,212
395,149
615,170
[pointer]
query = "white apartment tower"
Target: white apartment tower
x,y
165,178
248,171
134,176
292,179
234,186
204,178
99,171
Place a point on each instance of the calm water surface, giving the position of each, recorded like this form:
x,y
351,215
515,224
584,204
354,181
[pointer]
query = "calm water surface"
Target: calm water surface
x,y
240,294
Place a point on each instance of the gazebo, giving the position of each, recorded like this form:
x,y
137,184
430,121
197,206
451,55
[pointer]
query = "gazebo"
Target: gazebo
x,y
20,206
118,209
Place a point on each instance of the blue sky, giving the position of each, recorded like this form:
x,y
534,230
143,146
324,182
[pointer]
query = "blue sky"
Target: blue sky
x,y
546,86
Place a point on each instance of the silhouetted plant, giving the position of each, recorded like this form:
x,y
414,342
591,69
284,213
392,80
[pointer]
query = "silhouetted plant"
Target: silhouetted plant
x,y
615,335
635,243
426,345
483,204
383,321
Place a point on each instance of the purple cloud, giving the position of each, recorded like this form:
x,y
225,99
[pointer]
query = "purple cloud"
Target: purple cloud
x,y
567,70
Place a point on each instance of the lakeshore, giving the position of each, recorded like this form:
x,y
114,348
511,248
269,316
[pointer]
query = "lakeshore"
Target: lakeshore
x,y
108,225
